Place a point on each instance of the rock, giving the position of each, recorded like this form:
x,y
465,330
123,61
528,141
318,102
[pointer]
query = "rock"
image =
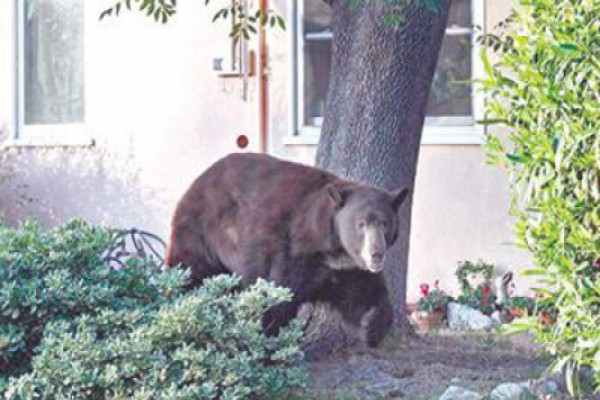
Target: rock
x,y
374,383
500,318
508,391
361,380
545,388
464,317
550,387
458,393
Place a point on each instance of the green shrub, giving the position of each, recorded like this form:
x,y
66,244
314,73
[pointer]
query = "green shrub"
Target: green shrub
x,y
544,88
72,327
207,344
49,276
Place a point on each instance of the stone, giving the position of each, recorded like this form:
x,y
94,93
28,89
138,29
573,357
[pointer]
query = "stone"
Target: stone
x,y
508,391
363,380
546,387
371,382
465,317
459,393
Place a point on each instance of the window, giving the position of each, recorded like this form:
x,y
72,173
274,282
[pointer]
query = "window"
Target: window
x,y
50,64
452,108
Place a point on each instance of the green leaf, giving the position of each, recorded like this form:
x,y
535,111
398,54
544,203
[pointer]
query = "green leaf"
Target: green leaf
x,y
533,272
568,47
486,63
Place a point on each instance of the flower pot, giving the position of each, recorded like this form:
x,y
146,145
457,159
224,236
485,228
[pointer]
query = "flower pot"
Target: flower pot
x,y
517,312
545,318
426,321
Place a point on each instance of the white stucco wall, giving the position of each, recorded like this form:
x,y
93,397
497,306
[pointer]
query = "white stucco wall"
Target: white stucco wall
x,y
159,117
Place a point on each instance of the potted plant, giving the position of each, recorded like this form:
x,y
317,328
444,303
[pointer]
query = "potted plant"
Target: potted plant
x,y
475,280
518,306
546,317
431,307
545,309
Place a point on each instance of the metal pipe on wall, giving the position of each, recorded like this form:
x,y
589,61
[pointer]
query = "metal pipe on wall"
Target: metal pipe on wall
x,y
263,83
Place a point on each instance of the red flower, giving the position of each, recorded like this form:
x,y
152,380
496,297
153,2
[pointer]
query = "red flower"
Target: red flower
x,y
424,289
486,291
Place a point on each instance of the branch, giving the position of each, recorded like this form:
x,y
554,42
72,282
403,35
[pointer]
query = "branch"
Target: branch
x,y
245,22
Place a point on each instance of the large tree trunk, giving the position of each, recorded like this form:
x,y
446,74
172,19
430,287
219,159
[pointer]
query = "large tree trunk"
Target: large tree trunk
x,y
379,85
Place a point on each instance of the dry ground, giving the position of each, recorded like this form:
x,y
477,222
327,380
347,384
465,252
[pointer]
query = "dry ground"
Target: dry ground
x,y
422,367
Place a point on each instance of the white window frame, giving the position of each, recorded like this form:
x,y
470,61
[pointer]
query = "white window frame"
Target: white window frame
x,y
21,134
436,131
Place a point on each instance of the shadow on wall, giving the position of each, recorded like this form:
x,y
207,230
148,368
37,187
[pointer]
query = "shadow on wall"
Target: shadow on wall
x,y
53,185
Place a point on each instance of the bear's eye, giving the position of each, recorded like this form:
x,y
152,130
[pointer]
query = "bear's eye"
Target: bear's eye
x,y
361,225
380,224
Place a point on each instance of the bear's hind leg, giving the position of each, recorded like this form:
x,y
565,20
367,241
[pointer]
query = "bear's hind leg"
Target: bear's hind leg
x,y
303,281
362,299
376,323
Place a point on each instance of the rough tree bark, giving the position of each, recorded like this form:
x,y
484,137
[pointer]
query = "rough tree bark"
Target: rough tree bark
x,y
379,85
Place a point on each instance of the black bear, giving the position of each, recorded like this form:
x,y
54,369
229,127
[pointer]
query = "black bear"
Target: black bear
x,y
323,237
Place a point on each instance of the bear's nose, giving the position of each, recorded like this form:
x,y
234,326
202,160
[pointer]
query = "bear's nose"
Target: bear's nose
x,y
377,257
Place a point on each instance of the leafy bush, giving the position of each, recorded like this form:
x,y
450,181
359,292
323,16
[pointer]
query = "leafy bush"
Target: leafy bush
x,y
544,88
48,276
207,344
71,327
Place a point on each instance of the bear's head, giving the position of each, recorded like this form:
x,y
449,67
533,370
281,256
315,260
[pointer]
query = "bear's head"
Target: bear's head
x,y
366,223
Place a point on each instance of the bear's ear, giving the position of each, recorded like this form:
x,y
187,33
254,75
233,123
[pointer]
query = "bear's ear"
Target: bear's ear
x,y
337,195
398,198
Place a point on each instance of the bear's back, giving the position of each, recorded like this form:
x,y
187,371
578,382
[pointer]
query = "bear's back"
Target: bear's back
x,y
246,205
258,181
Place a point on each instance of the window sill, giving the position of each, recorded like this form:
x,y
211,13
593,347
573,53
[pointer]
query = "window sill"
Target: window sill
x,y
64,135
50,141
432,135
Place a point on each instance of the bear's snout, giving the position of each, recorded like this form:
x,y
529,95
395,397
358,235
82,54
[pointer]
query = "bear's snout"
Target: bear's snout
x,y
373,249
377,257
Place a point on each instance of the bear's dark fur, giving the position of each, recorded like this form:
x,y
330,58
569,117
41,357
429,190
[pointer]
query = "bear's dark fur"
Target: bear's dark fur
x,y
302,228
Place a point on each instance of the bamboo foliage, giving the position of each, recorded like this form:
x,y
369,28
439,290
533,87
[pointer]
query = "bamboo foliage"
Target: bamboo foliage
x,y
545,88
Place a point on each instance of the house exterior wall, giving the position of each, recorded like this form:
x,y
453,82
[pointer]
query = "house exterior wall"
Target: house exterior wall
x,y
157,113
159,116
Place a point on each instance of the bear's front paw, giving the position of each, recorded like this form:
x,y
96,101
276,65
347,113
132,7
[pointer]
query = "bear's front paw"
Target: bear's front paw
x,y
375,324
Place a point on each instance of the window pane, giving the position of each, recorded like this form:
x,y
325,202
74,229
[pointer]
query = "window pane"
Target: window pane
x,y
53,61
317,57
450,93
317,16
448,97
460,13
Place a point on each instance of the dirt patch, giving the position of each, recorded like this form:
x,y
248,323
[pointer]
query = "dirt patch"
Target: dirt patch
x,y
422,367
